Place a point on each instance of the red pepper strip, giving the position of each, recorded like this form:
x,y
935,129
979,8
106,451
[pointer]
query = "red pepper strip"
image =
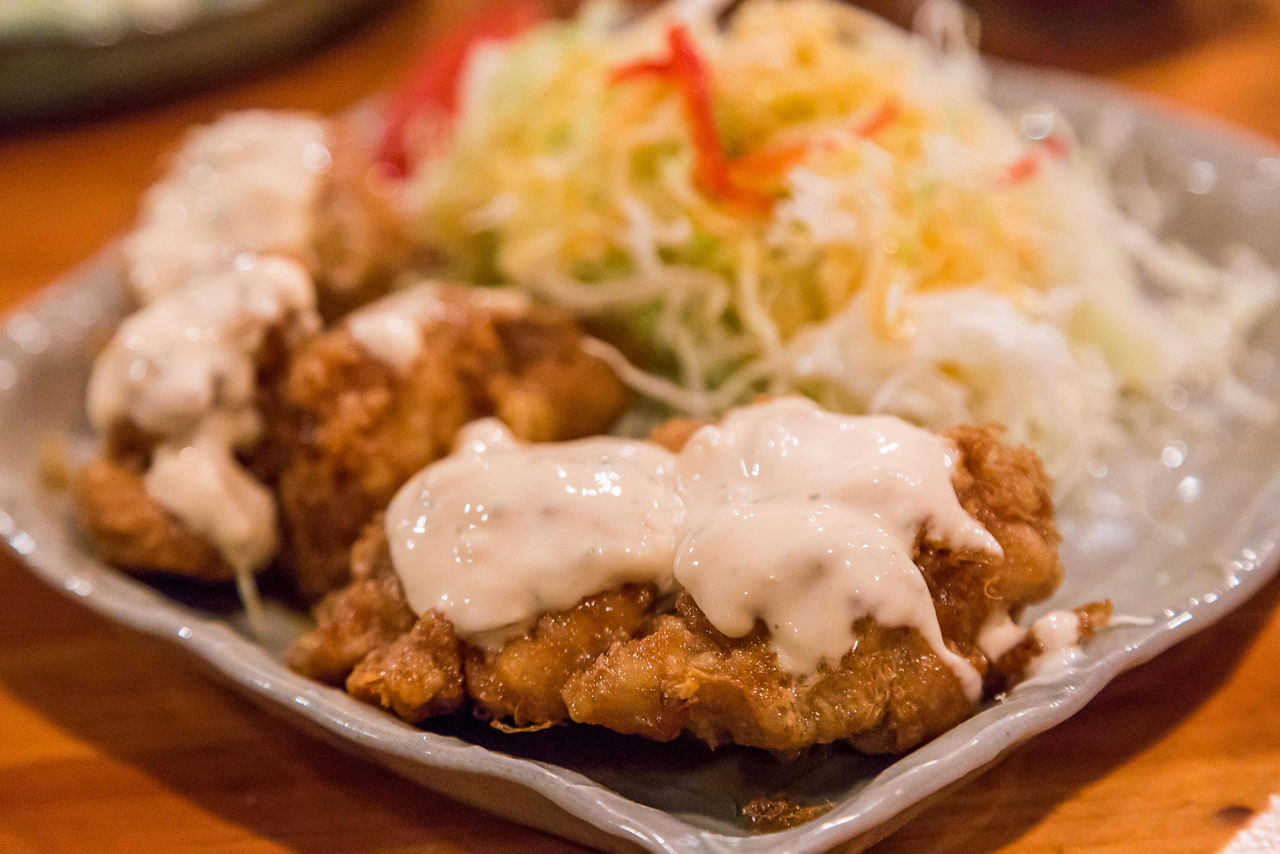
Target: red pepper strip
x,y
1055,146
642,68
432,83
685,68
771,161
1023,168
774,160
1026,166
884,114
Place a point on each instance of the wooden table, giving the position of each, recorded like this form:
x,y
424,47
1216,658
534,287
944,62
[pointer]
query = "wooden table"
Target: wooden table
x,y
109,740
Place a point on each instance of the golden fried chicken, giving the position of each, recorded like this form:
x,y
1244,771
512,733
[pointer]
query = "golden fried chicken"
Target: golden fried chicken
x,y
262,220
890,691
368,638
187,397
384,393
131,530
637,662
358,245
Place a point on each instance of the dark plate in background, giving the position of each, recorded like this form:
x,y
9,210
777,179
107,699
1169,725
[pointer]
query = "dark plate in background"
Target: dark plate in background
x,y
46,74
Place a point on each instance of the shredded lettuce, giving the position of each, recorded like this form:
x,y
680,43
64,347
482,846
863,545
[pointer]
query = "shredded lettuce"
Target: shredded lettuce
x,y
923,254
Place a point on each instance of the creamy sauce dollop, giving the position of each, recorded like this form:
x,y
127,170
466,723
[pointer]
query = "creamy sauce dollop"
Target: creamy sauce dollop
x,y
177,361
183,369
783,513
501,532
204,485
392,328
247,182
808,520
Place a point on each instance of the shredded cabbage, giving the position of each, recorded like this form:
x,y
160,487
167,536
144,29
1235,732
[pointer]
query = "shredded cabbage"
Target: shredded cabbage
x,y
954,264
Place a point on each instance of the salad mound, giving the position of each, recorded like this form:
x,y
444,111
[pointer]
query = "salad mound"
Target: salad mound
x,y
804,198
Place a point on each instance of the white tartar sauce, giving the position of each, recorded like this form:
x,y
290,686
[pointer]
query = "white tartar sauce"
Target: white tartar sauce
x,y
391,329
247,182
784,513
808,520
204,485
183,370
501,531
999,634
1059,634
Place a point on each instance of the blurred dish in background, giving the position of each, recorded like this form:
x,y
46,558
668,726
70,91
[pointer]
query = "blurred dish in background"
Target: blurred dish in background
x,y
62,58
1092,35
102,22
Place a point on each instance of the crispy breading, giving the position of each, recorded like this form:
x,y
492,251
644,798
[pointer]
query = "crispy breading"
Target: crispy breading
x,y
367,637
368,613
364,427
888,693
522,680
417,676
359,243
625,660
780,811
131,531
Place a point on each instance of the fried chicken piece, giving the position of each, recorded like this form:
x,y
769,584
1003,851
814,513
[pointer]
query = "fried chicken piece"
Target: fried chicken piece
x,y
364,426
367,637
254,191
128,527
132,531
523,679
617,659
891,691
358,245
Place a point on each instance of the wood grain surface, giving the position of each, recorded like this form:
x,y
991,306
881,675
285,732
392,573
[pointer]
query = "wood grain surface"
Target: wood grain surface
x,y
110,741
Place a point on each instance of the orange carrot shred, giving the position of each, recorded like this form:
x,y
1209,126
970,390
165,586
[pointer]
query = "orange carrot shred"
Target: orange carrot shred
x,y
776,159
1026,166
685,68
